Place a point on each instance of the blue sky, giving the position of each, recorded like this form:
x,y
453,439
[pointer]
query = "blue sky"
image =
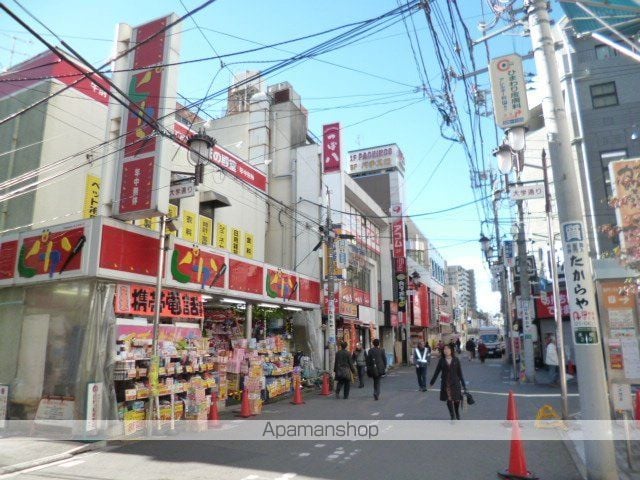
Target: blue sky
x,y
376,97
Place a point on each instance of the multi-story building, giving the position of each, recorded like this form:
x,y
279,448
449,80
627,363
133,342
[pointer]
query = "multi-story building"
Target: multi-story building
x,y
465,284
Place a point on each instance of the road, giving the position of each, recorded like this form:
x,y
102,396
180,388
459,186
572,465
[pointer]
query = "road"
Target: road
x,y
348,460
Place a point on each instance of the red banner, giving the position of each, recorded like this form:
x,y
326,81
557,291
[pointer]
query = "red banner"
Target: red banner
x,y
398,238
8,258
331,147
48,252
545,305
280,284
309,291
425,305
245,277
128,252
196,266
141,300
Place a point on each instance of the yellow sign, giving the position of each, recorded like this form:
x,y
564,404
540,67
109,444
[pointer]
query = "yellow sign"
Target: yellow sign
x,y
248,245
189,226
91,197
205,232
221,235
173,213
547,417
150,223
235,241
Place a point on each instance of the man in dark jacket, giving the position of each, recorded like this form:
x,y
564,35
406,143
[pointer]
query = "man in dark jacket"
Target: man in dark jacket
x,y
343,367
376,366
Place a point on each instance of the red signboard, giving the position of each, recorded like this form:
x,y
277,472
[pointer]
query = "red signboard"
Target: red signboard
x,y
245,277
139,179
226,160
48,253
8,258
141,300
545,305
425,308
279,284
128,252
191,264
331,147
416,308
397,232
309,291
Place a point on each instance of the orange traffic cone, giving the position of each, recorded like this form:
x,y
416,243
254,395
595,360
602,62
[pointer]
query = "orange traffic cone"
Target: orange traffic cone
x,y
325,385
297,394
214,416
512,409
517,459
245,409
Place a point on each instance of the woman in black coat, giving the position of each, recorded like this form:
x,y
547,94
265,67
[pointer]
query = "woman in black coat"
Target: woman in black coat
x,y
452,383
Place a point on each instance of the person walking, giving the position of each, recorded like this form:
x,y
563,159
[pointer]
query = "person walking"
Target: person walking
x,y
452,382
376,366
343,368
551,359
470,347
421,358
458,346
359,357
482,350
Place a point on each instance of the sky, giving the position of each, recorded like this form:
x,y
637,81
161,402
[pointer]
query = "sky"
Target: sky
x,y
372,87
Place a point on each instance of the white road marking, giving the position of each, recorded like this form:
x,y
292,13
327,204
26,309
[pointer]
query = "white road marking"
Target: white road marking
x,y
375,414
319,445
333,457
398,415
72,463
524,395
304,454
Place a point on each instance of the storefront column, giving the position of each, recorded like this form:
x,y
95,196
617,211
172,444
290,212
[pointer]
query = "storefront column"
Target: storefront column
x,y
248,321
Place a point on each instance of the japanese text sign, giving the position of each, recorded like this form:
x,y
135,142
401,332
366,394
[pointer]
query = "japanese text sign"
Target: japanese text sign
x,y
508,90
141,300
331,148
526,192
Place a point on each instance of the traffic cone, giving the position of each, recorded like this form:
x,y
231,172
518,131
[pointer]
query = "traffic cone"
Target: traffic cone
x,y
512,409
517,459
297,394
571,368
214,416
245,409
325,384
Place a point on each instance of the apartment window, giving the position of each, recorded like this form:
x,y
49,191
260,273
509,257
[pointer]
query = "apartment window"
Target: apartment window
x,y
605,51
604,95
605,159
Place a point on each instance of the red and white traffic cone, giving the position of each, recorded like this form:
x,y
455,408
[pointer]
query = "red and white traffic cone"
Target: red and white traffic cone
x,y
325,384
517,459
245,408
512,409
214,416
297,394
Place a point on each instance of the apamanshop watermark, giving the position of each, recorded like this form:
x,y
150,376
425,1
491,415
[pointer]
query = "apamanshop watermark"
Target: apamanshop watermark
x,y
283,430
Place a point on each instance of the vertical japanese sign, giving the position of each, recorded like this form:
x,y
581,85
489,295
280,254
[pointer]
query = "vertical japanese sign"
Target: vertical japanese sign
x,y
94,407
189,226
582,299
143,172
248,245
205,232
235,241
221,235
509,253
401,283
397,231
508,90
4,399
625,177
91,197
173,213
331,148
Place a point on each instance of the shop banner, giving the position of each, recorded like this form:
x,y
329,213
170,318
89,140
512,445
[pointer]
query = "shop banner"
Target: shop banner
x,y
545,305
8,258
309,291
221,235
195,266
143,170
141,300
130,330
236,236
52,253
616,296
348,309
279,284
94,407
397,231
401,283
425,305
128,253
248,245
189,226
246,277
91,197
624,176
331,148
508,90
205,231
4,399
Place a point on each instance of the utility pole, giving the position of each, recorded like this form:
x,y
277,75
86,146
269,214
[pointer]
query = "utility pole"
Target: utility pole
x,y
329,235
594,401
503,279
525,299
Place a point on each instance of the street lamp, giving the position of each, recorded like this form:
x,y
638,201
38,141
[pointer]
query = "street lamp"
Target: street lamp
x,y
485,244
200,145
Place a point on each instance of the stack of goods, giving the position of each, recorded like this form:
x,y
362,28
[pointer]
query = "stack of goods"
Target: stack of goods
x,y
133,418
196,402
253,383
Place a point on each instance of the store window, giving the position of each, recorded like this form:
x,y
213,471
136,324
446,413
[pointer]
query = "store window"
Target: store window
x,y
605,159
604,95
605,51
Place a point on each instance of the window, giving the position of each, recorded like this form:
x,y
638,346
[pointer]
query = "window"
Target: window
x,y
605,51
604,95
605,159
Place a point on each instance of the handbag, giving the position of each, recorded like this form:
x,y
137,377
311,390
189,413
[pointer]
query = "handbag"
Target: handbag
x,y
344,373
470,399
372,370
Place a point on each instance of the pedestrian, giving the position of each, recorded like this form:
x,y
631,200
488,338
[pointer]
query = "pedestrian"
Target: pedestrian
x,y
359,357
470,347
551,360
482,350
452,382
421,358
458,345
376,366
343,368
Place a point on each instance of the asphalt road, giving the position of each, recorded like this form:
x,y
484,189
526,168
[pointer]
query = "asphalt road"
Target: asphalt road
x,y
304,460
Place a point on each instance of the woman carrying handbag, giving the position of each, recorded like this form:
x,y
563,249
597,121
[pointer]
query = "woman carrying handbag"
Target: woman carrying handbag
x,y
452,383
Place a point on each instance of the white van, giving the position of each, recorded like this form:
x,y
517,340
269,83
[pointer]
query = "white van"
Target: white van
x,y
494,340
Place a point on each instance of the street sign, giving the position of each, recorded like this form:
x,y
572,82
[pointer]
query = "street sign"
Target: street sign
x,y
508,90
182,190
531,267
509,253
582,298
342,254
527,192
